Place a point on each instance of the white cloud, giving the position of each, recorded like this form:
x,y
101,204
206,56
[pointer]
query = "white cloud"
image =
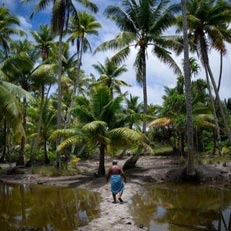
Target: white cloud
x,y
159,74
24,24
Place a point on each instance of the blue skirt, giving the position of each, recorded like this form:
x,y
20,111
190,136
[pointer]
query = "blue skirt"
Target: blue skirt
x,y
116,183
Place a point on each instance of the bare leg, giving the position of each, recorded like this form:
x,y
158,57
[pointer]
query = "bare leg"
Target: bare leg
x,y
120,195
114,198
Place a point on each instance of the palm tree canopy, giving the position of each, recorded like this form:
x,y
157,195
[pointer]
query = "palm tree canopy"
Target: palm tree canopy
x,y
7,28
208,24
61,11
142,25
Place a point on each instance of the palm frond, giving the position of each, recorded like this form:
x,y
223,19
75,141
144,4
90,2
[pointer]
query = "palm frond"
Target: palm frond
x,y
120,41
161,122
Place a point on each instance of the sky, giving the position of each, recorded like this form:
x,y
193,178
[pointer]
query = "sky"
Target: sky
x,y
159,75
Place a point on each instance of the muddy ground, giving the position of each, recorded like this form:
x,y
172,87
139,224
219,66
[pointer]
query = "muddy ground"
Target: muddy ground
x,y
149,170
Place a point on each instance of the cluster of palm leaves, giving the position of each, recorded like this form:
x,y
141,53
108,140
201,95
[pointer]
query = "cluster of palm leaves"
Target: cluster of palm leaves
x,y
48,103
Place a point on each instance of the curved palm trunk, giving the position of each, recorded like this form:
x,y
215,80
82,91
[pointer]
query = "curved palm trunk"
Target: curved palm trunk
x,y
101,169
228,132
214,114
190,162
205,60
220,74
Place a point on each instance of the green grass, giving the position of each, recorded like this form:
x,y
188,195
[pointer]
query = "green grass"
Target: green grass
x,y
51,171
162,150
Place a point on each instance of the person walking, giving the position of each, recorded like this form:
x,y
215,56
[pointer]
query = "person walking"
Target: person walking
x,y
117,177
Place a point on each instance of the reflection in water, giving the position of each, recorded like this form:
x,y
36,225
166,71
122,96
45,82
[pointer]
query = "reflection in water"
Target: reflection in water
x,y
43,208
183,207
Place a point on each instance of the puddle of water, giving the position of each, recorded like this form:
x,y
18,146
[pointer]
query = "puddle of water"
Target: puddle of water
x,y
183,207
44,208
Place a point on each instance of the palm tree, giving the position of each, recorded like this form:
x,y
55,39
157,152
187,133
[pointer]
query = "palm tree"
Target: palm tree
x,y
142,25
47,126
133,111
11,109
172,116
7,28
208,27
108,74
190,164
98,117
80,28
44,42
60,17
18,66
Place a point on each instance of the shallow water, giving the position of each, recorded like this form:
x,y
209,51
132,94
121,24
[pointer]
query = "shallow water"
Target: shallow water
x,y
44,208
183,207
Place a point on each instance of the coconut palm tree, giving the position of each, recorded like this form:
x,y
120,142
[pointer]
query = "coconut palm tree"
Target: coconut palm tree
x,y
190,164
173,113
142,24
208,23
11,109
7,28
18,66
98,117
44,42
47,126
108,76
80,28
60,18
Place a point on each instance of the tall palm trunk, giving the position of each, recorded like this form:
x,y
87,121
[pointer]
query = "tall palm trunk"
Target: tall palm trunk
x,y
59,112
76,82
190,161
21,160
4,137
33,157
144,81
101,169
131,162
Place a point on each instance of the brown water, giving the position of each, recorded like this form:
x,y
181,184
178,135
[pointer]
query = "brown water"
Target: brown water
x,y
43,208
183,207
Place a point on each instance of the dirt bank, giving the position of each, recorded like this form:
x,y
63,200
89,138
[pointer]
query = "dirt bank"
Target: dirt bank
x,y
117,217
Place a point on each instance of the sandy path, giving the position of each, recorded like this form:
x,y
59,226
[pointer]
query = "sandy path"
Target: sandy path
x,y
114,217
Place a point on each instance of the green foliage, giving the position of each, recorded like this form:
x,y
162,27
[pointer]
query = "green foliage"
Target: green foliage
x,y
226,151
74,161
